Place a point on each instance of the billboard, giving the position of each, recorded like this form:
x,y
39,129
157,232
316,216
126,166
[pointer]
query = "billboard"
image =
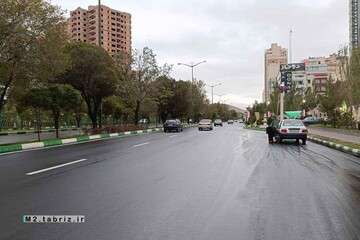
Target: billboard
x,y
286,73
291,67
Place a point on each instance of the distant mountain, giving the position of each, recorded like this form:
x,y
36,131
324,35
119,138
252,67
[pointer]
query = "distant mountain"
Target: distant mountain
x,y
231,107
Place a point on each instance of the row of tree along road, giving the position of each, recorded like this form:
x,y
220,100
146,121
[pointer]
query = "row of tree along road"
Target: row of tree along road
x,y
45,77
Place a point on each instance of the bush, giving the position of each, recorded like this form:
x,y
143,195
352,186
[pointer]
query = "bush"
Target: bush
x,y
346,120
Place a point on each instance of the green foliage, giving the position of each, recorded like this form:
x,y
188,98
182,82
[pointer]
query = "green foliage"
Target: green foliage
x,y
355,77
261,108
22,26
55,98
331,100
92,73
113,107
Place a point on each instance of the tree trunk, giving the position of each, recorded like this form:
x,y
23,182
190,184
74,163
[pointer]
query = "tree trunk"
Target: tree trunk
x,y
136,113
38,124
100,114
56,116
78,120
92,111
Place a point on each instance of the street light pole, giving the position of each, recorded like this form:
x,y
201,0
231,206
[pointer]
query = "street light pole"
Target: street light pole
x,y
212,91
192,66
282,95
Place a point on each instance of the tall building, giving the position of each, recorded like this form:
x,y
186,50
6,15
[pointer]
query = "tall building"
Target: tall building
x,y
354,18
274,57
318,71
83,25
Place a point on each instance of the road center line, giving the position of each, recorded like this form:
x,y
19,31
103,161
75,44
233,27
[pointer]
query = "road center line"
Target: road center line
x,y
55,167
139,145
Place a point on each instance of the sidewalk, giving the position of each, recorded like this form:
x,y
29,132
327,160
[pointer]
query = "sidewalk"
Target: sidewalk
x,y
352,136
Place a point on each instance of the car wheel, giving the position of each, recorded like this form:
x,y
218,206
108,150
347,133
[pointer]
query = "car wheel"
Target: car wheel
x,y
199,129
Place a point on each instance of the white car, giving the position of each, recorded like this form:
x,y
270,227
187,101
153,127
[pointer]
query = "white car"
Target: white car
x,y
205,124
291,129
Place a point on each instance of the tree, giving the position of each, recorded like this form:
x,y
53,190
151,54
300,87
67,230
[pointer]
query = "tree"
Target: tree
x,y
113,107
199,100
293,100
354,81
55,98
22,24
137,73
331,100
311,100
92,73
163,94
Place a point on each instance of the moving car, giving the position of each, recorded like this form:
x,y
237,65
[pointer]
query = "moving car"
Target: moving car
x,y
218,122
230,121
291,129
143,121
205,124
173,125
311,120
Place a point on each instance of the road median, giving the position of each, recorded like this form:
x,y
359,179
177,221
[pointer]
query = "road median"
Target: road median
x,y
336,144
66,141
72,140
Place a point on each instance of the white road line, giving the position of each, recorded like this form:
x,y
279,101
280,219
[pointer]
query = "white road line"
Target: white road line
x,y
172,136
55,167
139,145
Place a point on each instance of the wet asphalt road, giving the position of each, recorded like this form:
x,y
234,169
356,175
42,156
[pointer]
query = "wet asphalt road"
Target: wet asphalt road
x,y
225,184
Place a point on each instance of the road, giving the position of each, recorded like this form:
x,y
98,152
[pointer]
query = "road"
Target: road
x,y
225,184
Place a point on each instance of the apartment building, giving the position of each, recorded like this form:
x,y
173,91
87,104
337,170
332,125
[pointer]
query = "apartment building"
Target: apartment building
x,y
115,28
274,57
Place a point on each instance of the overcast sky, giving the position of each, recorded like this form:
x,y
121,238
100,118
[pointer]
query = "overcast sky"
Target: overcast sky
x,y
231,35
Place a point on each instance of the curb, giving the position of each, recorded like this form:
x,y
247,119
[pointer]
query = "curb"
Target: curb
x,y
58,142
336,146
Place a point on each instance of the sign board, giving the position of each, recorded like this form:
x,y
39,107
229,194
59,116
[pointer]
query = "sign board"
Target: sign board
x,y
291,67
293,114
286,73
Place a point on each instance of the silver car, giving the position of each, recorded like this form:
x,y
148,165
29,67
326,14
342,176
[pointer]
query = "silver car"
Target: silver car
x,y
205,124
291,129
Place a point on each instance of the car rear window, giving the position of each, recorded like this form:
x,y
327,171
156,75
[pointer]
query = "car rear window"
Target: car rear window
x,y
288,123
205,121
170,121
